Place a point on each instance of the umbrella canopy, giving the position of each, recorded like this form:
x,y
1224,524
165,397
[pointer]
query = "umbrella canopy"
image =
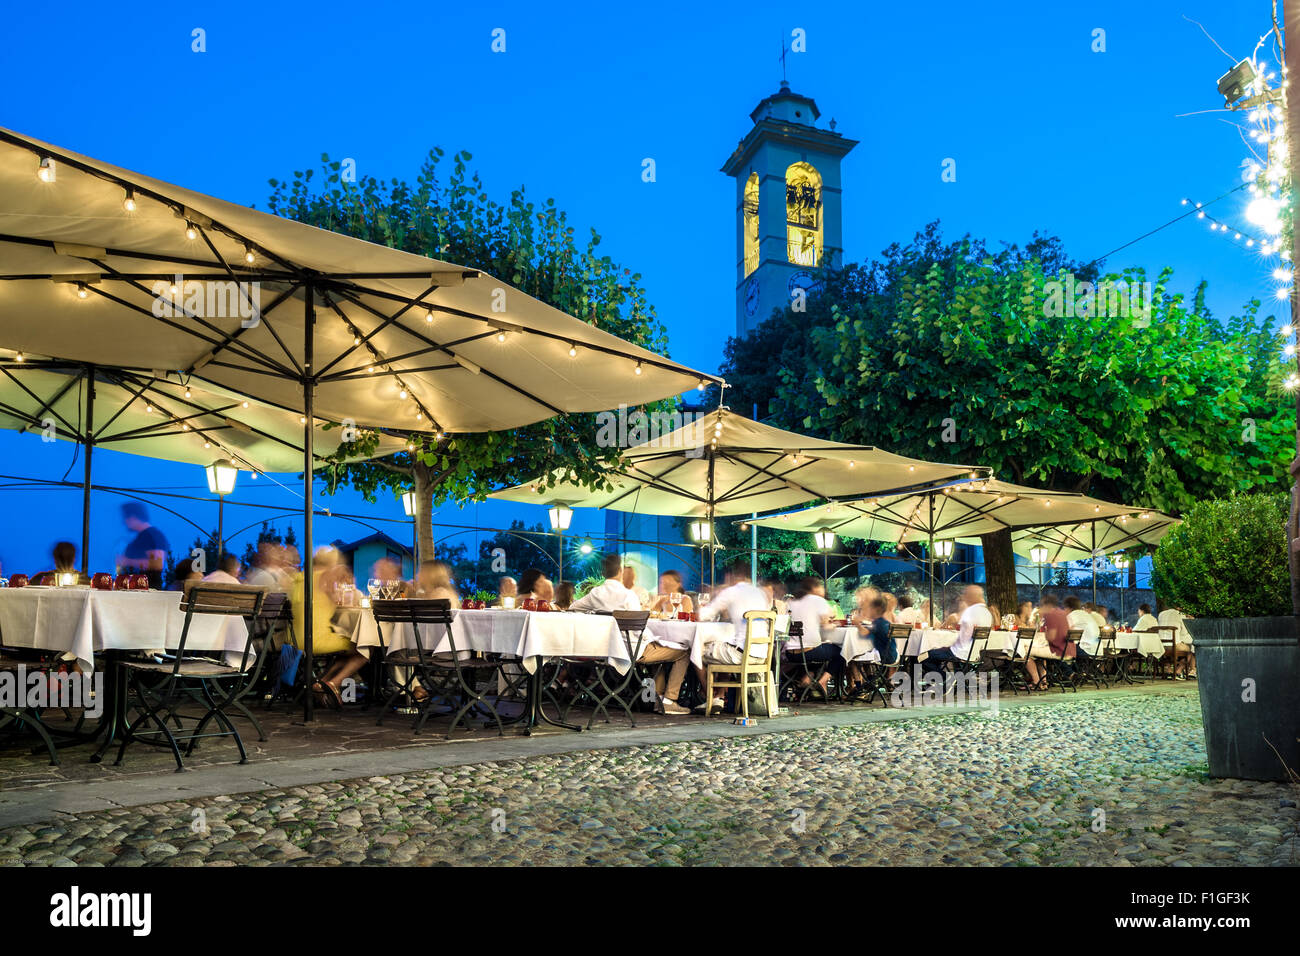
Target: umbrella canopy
x,y
109,266
159,417
725,464
957,512
1078,542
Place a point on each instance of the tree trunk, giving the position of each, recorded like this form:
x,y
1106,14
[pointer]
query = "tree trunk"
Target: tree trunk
x,y
1000,571
425,481
1132,574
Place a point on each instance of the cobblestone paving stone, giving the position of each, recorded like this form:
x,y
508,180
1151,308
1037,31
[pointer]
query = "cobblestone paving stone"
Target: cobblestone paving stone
x,y
1079,781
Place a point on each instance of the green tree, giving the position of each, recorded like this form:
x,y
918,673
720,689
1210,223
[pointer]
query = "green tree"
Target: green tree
x,y
952,352
534,248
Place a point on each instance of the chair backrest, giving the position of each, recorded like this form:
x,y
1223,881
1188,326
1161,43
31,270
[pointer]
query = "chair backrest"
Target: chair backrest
x,y
1023,636
979,639
1072,637
1106,642
1168,635
756,637
631,624
415,612
224,600
275,607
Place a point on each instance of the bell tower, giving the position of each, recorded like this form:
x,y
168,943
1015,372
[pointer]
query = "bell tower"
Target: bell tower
x,y
788,209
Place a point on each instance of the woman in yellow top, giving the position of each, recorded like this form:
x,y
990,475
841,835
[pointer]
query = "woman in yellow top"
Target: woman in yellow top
x,y
328,571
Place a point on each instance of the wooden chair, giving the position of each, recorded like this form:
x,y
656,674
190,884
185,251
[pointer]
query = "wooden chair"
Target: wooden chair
x,y
1171,656
752,671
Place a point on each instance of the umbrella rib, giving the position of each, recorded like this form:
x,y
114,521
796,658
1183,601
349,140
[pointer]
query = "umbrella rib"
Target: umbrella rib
x,y
44,405
264,319
365,340
128,403
482,371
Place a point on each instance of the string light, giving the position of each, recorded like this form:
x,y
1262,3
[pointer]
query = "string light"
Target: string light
x,y
45,171
248,255
191,233
129,202
637,370
82,291
573,350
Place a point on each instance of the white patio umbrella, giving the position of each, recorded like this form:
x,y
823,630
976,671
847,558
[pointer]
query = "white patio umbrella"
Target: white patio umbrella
x,y
102,265
955,513
156,418
726,464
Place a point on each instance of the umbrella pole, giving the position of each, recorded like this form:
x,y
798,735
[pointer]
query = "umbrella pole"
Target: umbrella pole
x,y
88,433
1094,564
713,552
308,460
929,554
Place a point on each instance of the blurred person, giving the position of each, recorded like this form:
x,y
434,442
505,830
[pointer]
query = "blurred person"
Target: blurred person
x,y
147,552
1097,612
875,627
612,595
262,572
740,596
670,583
891,602
325,639
64,554
629,582
534,584
1027,615
227,572
1053,643
184,573
1080,618
507,587
564,595
809,608
433,583
1173,616
907,612
975,613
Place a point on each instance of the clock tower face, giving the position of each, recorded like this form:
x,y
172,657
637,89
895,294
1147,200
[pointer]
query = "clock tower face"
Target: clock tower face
x,y
806,281
751,298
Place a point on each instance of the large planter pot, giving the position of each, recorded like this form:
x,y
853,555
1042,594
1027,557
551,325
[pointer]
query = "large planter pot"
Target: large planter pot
x,y
1249,679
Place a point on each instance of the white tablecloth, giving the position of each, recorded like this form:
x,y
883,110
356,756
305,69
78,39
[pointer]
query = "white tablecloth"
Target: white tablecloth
x,y
530,635
1143,642
81,621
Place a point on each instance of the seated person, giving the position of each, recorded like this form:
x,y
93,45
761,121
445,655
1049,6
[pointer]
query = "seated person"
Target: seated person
x,y
1146,620
670,583
877,628
974,614
533,584
433,583
906,612
629,582
564,595
612,595
324,639
740,596
1055,644
65,562
809,608
1174,617
1027,615
184,573
1080,618
227,572
507,587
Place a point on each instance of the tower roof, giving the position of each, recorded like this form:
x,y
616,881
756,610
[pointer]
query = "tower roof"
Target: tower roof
x,y
787,116
787,105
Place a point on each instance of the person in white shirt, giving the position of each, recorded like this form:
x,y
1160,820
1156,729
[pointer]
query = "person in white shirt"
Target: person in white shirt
x,y
907,613
629,582
975,614
1146,620
1080,619
740,595
1098,614
610,596
810,609
1173,617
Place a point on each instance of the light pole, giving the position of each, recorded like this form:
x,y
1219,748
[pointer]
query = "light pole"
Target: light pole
x,y
410,504
1039,557
560,515
221,482
825,540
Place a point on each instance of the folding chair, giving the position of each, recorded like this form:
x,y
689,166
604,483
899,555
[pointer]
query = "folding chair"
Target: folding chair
x,y
600,688
979,640
452,673
158,688
741,676
29,718
1013,670
795,666
1092,667
1063,672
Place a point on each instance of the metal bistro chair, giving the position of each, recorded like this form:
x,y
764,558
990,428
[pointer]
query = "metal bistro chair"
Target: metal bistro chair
x,y
158,688
452,674
1093,667
1063,672
794,666
979,641
1123,658
741,677
28,717
603,688
1014,669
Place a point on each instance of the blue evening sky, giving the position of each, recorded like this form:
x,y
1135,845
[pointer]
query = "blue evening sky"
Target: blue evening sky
x,y
1047,135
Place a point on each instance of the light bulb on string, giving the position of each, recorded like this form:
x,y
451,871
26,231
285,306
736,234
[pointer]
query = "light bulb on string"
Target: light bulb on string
x,y
129,202
191,233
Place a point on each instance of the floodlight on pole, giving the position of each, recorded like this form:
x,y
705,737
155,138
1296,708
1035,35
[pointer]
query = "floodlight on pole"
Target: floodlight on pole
x,y
221,482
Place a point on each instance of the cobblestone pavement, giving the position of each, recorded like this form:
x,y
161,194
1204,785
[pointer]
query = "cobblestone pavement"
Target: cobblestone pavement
x,y
1079,781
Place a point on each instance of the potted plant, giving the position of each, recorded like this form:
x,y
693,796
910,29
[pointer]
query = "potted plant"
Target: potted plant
x,y
1226,566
